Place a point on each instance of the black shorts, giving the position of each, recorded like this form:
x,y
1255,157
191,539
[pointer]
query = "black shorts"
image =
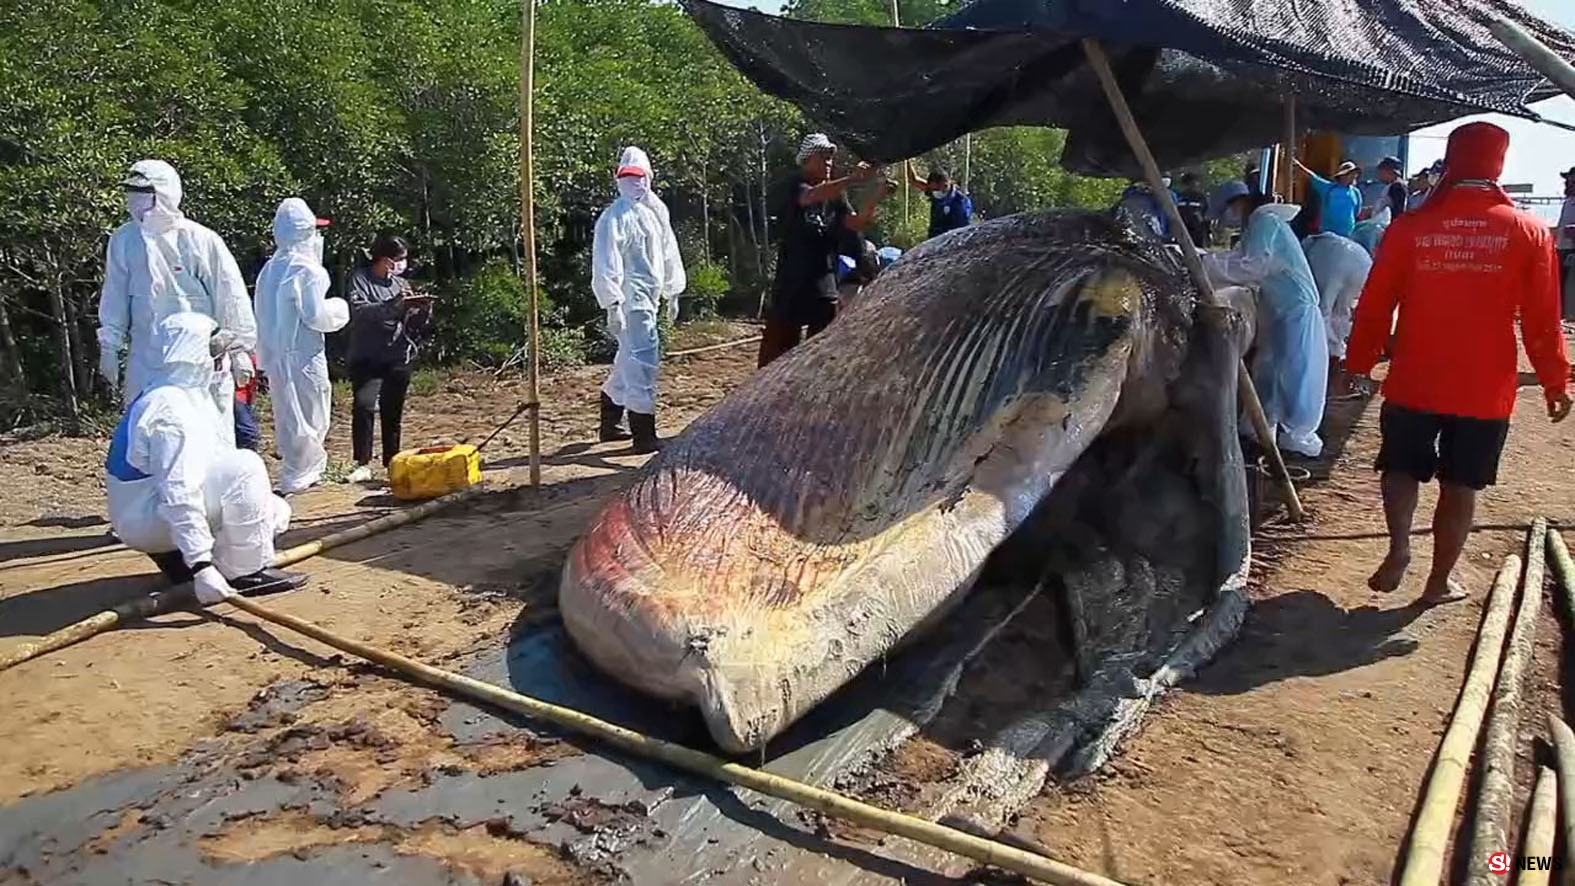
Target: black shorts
x,y
1458,450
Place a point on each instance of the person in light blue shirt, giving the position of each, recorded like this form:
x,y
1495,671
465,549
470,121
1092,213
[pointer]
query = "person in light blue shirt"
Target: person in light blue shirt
x,y
1340,198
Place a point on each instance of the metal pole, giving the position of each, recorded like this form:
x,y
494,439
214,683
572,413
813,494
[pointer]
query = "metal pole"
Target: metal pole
x,y
528,227
967,159
1189,257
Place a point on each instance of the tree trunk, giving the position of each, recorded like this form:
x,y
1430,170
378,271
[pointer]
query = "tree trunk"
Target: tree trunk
x,y
63,364
84,370
10,354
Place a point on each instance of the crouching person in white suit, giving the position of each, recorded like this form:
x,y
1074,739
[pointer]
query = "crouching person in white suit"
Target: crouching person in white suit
x,y
200,508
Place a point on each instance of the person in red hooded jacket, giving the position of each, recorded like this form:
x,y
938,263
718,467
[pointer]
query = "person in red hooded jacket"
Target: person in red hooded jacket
x,y
1461,269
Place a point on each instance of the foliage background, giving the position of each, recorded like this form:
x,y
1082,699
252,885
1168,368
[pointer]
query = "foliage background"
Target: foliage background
x,y
401,115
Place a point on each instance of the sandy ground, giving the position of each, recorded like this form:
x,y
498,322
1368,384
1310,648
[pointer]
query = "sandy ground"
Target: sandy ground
x,y
1296,758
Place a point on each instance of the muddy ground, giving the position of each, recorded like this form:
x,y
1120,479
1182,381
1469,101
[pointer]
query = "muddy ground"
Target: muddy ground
x,y
209,748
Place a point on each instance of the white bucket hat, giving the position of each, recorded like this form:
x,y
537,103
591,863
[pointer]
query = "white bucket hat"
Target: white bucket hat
x,y
815,143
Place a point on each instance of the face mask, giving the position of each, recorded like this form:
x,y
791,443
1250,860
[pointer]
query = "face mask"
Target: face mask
x,y
139,204
399,267
634,188
1165,182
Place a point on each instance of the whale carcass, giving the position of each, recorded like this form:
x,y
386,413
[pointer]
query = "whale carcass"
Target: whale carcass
x,y
1047,379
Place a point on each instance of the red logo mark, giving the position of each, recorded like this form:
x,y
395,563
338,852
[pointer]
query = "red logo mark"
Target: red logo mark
x,y
1500,863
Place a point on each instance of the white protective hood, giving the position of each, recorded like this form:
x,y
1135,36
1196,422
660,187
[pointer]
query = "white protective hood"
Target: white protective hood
x,y
167,190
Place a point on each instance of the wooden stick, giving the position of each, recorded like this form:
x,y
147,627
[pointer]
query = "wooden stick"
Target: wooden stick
x,y
1564,571
1564,757
1541,826
528,227
729,344
1189,256
169,599
1490,830
982,850
1424,859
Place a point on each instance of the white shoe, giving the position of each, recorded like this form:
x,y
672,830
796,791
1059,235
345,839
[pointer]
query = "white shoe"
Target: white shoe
x,y
361,474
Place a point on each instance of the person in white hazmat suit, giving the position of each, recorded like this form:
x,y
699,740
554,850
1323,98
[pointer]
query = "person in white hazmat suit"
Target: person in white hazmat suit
x,y
1291,369
203,511
1340,267
635,267
293,313
162,263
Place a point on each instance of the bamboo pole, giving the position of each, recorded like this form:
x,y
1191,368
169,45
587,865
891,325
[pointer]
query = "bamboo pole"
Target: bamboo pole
x,y
1541,826
1189,255
1564,757
1424,859
988,852
907,184
168,599
708,348
1564,570
528,226
1288,150
1490,830
1534,53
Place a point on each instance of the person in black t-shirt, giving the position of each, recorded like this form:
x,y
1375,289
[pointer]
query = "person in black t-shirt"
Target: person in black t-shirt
x,y
1396,195
1193,204
817,221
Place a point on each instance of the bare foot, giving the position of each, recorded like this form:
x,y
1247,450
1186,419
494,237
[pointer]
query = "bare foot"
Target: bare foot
x,y
1438,593
1389,573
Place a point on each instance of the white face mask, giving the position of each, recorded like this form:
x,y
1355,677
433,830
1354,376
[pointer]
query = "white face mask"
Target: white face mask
x,y
139,204
317,247
634,188
399,267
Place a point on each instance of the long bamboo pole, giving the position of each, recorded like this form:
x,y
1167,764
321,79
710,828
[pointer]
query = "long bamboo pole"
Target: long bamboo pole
x,y
1541,827
1564,570
929,833
528,226
1534,52
1189,256
1491,830
1424,859
1564,757
167,600
907,185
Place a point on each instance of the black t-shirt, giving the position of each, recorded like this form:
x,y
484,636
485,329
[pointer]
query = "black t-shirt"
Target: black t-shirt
x,y
811,239
1397,196
1194,209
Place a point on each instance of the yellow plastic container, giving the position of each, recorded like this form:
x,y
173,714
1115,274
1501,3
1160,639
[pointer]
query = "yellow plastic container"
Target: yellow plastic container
x,y
434,471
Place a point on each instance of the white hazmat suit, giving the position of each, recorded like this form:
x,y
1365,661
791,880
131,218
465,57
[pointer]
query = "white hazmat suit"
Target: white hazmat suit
x,y
1339,267
173,486
1291,369
634,266
293,313
159,264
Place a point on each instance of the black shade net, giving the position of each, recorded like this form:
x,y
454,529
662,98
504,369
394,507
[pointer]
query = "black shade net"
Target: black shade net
x,y
1204,78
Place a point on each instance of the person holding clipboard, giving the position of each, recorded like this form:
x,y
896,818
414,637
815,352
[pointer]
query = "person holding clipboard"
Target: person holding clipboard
x,y
385,313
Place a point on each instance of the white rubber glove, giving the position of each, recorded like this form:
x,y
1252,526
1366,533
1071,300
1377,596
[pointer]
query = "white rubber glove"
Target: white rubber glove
x,y
109,367
672,309
616,324
241,369
210,586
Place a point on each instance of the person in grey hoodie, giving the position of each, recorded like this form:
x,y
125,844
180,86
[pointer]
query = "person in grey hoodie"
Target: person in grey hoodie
x,y
384,312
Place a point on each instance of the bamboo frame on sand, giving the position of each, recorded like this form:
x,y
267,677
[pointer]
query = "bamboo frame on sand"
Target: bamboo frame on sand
x,y
1541,826
1424,858
1492,827
1564,756
986,851
149,606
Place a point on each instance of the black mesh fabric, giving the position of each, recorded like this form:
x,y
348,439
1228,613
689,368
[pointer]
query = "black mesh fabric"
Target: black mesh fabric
x,y
1204,77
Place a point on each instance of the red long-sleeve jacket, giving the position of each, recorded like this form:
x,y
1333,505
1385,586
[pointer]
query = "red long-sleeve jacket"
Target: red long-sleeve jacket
x,y
1461,269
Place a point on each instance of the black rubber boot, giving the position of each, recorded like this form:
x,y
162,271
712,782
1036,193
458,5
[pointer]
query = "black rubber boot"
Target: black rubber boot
x,y
612,421
173,565
267,581
644,427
